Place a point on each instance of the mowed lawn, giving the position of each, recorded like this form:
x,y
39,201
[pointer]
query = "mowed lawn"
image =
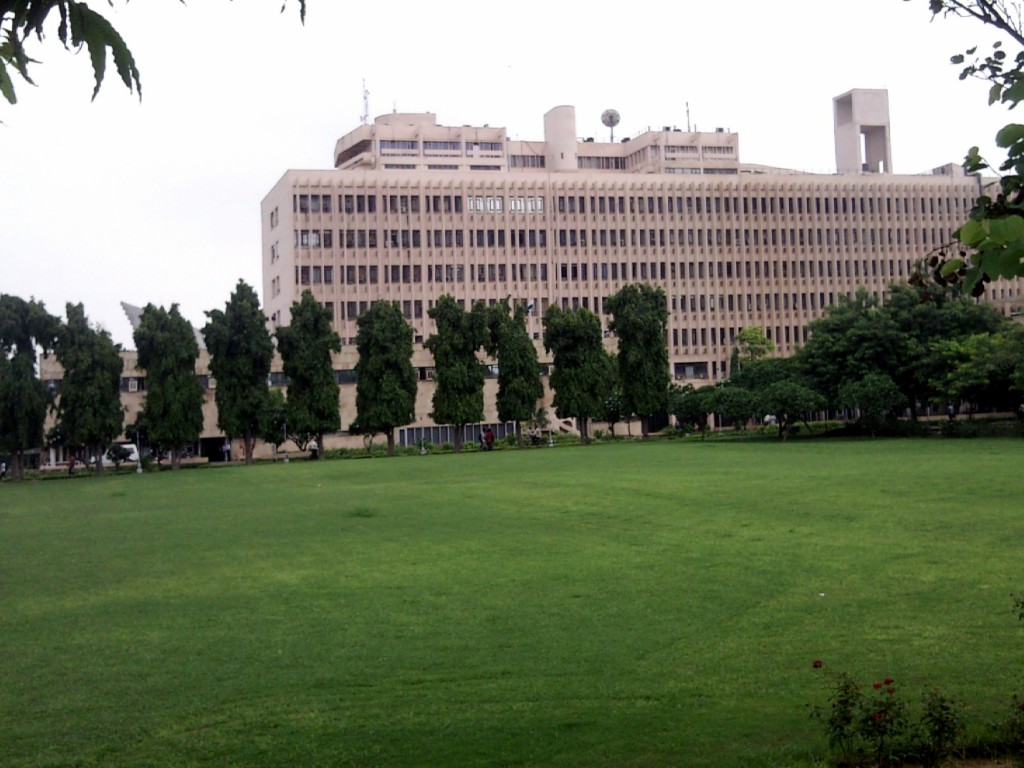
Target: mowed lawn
x,y
620,605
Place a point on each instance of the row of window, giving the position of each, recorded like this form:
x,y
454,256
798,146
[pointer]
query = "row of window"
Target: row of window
x,y
635,204
411,145
618,238
372,274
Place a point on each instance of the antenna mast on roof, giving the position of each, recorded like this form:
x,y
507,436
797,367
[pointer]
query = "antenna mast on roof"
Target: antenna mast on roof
x,y
366,105
688,129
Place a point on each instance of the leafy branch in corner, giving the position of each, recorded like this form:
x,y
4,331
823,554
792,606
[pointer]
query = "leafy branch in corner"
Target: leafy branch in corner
x,y
990,245
79,26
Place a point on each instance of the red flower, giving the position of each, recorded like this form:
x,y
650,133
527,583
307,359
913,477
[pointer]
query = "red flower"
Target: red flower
x,y
876,716
817,664
888,681
877,686
890,691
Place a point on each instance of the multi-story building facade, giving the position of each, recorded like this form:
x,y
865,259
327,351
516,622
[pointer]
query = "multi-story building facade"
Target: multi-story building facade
x,y
413,210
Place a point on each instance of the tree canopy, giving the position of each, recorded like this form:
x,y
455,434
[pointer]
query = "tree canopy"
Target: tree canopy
x,y
509,343
306,345
173,406
240,355
385,378
640,318
583,374
89,410
78,26
25,327
459,392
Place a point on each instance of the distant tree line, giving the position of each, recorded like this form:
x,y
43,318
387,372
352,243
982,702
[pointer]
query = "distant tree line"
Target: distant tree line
x,y
873,360
876,362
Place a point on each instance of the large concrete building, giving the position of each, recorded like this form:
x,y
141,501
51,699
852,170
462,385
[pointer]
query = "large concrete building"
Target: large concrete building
x,y
413,210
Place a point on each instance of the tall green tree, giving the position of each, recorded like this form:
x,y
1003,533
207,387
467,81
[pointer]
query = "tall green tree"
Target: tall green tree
x,y
89,410
306,345
583,375
385,377
173,406
241,351
25,328
519,384
640,320
78,26
459,374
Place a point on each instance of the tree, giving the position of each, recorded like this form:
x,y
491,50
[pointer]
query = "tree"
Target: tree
x,y
89,410
640,319
753,344
690,405
459,394
756,375
854,338
519,384
613,405
25,326
876,396
173,406
982,369
990,244
306,346
732,402
385,378
859,336
923,319
789,401
583,375
79,26
240,354
274,419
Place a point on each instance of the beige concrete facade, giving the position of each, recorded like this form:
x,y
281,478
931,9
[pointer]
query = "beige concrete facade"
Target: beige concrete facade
x,y
414,210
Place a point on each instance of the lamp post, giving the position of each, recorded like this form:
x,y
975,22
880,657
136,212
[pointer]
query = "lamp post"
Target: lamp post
x,y
284,440
138,451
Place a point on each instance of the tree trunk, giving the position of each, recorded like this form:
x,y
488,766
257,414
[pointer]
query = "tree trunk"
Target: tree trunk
x,y
457,442
391,442
519,434
584,436
175,459
16,468
644,427
248,443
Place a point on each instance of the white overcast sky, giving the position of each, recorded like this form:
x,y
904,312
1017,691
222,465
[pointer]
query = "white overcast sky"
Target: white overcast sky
x,y
159,200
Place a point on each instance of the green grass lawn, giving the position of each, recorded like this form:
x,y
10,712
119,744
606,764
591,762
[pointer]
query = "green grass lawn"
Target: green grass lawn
x,y
620,605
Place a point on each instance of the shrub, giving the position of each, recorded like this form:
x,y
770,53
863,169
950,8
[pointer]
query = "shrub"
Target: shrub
x,y
939,730
1013,730
864,729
